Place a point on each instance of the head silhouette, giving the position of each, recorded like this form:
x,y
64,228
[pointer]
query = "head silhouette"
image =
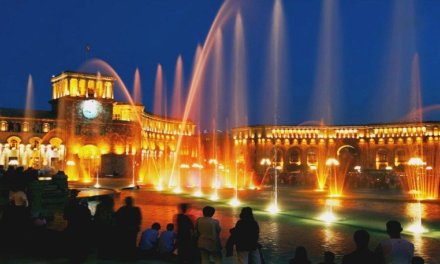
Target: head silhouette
x,y
246,214
208,211
170,227
361,238
301,253
329,257
155,226
417,260
394,228
129,201
183,207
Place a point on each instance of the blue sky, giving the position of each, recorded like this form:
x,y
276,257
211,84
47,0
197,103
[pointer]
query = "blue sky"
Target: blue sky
x,y
376,42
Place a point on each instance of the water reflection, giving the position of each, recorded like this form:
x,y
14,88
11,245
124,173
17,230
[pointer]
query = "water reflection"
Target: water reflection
x,y
332,240
419,245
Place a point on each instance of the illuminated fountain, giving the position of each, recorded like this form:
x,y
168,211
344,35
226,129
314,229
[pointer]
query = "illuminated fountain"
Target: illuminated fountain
x,y
215,185
328,215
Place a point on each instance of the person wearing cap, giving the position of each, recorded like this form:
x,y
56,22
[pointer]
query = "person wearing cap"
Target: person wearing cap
x,y
395,249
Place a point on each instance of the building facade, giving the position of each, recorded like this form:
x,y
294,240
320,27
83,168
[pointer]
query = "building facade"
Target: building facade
x,y
87,133
295,149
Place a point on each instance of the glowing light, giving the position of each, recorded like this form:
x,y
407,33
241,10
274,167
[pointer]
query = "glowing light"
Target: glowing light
x,y
327,217
389,168
319,190
313,167
332,162
198,193
333,202
416,161
159,188
70,163
212,161
177,190
214,197
358,168
97,185
13,162
417,228
184,166
273,209
197,166
235,202
265,161
335,195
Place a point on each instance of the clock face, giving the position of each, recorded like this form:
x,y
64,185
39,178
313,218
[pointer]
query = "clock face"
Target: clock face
x,y
90,109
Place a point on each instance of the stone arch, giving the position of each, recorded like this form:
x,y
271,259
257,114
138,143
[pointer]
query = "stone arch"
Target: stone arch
x,y
13,142
294,155
401,155
278,155
312,155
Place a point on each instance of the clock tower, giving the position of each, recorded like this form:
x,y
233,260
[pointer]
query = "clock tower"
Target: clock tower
x,y
82,97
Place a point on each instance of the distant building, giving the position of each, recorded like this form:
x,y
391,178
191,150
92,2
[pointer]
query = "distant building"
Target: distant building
x,y
87,132
297,149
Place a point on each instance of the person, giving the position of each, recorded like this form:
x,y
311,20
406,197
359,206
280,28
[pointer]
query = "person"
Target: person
x,y
245,236
417,260
361,254
79,219
329,258
208,231
149,239
185,230
18,198
300,256
128,221
395,249
104,222
166,240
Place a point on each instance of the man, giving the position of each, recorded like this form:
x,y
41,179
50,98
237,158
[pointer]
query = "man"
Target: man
x,y
395,249
128,221
185,229
362,254
208,230
149,239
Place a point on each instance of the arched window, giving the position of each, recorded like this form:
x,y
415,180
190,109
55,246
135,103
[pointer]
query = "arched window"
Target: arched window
x,y
400,155
311,156
382,155
294,156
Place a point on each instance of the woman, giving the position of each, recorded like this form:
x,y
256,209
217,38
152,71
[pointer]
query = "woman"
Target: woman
x,y
245,236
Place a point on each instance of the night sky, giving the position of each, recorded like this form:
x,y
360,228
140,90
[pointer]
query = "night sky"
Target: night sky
x,y
373,46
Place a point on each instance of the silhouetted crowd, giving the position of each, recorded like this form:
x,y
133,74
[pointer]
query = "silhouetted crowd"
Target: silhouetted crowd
x,y
113,235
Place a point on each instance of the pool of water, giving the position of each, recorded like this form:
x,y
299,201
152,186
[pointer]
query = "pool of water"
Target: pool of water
x,y
297,224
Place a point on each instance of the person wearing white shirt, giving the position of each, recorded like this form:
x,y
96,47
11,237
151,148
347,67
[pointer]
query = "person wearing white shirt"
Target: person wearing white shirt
x,y
396,249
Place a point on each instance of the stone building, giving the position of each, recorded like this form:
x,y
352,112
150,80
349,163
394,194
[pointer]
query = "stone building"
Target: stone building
x,y
88,133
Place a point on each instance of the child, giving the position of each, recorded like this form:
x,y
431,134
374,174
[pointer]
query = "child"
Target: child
x,y
149,239
166,240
